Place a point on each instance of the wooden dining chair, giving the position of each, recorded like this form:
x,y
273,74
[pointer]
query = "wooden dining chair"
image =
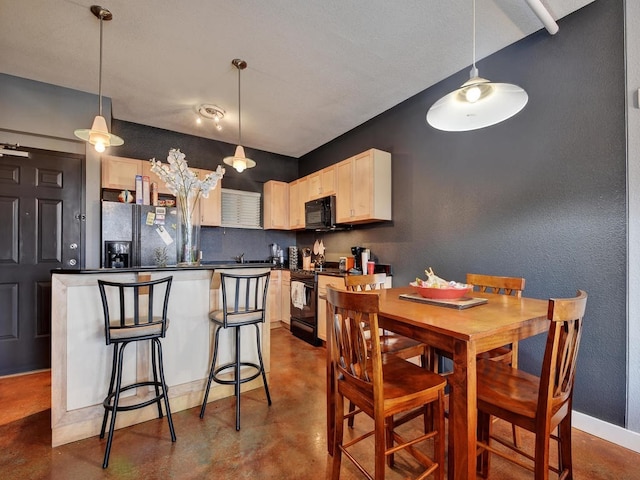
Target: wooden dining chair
x,y
381,389
537,404
507,354
506,286
390,342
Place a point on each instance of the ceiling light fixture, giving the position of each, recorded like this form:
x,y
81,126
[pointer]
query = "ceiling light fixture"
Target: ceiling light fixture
x,y
212,112
239,161
99,135
478,103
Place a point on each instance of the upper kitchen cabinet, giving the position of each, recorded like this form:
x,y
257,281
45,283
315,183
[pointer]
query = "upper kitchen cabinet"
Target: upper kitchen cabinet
x,y
276,205
363,188
298,195
322,183
119,173
210,207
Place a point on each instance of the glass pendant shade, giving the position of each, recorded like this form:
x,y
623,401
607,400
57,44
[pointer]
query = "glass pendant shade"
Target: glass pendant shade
x,y
99,135
478,103
239,161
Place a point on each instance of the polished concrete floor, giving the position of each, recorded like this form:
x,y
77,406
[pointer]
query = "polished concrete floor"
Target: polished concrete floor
x,y
284,441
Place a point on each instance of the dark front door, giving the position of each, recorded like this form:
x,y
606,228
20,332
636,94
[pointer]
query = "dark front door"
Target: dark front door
x,y
40,229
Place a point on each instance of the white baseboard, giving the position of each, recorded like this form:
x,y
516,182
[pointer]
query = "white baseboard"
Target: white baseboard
x,y
607,431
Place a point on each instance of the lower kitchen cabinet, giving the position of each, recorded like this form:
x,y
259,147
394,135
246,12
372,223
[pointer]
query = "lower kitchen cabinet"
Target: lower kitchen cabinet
x,y
323,281
274,298
285,296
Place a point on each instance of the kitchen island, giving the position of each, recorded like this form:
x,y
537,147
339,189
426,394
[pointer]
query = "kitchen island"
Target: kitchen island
x,y
81,360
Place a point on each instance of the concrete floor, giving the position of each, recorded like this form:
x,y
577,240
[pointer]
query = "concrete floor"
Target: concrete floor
x,y
284,441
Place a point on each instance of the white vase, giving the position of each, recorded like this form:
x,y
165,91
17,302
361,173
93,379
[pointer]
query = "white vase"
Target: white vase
x,y
188,230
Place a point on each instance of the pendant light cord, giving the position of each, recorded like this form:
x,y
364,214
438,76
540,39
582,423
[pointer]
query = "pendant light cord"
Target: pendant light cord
x,y
474,70
239,110
100,70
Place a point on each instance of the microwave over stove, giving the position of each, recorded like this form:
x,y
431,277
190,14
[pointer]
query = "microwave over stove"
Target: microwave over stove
x,y
320,215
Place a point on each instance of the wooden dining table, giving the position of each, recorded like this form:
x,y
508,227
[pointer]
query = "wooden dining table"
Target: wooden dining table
x,y
462,333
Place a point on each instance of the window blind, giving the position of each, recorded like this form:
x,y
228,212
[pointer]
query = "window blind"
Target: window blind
x,y
241,209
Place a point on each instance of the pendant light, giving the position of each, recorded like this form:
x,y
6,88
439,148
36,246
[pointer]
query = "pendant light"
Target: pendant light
x,y
239,161
99,135
478,103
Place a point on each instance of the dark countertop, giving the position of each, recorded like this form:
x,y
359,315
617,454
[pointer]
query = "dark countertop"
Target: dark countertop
x,y
168,268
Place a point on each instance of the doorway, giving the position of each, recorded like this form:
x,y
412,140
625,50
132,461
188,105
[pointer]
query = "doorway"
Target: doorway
x,y
41,228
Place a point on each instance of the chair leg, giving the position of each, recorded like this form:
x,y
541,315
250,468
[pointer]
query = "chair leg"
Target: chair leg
x,y
264,375
483,433
352,408
154,368
114,366
564,454
237,378
165,390
380,429
541,462
439,448
338,437
116,398
216,336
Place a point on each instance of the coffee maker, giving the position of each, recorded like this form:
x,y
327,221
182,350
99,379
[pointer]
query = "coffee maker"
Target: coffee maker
x,y
357,257
117,254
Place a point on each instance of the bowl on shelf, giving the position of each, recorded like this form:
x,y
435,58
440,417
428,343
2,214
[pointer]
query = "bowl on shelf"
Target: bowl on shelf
x,y
446,293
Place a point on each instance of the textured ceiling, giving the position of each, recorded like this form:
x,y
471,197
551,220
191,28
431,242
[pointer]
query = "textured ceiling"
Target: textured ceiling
x,y
316,68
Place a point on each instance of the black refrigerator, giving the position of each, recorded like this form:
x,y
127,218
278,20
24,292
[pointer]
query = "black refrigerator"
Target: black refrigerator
x,y
147,232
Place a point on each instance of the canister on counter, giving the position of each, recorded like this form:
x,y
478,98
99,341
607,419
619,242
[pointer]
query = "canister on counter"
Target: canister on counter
x,y
154,194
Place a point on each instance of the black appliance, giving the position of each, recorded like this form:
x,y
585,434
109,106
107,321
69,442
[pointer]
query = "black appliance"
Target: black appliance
x,y
357,257
117,254
320,215
304,319
145,228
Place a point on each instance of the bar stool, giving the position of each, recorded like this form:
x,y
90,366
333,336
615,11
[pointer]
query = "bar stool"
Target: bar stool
x,y
244,302
130,319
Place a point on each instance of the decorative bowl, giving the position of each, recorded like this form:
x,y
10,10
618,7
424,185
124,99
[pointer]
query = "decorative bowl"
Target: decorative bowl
x,y
447,293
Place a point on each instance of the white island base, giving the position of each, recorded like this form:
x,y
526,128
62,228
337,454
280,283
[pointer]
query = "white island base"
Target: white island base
x,y
81,360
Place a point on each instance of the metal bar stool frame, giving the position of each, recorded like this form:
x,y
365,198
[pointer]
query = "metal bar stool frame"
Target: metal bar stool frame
x,y
126,330
249,308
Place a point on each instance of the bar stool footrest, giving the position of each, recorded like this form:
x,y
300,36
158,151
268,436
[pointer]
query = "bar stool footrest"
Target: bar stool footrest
x,y
232,381
123,408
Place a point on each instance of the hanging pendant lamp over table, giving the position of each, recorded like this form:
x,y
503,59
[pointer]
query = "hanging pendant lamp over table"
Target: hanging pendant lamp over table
x,y
99,135
478,103
239,161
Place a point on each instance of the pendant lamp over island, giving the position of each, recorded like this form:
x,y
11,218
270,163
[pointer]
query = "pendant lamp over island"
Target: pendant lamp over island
x,y
99,135
478,103
239,161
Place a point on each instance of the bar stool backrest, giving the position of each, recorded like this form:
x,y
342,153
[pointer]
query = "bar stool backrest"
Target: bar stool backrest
x,y
244,298
135,310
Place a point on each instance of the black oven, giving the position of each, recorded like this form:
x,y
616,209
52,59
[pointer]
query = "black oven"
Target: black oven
x,y
304,321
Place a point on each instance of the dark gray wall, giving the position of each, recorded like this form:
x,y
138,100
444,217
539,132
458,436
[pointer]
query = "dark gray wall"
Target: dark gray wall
x,y
145,142
541,195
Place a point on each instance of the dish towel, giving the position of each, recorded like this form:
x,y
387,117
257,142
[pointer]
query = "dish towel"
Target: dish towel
x,y
298,297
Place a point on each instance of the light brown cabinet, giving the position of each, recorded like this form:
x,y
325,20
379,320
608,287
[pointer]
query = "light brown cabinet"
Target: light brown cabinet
x,y
322,183
119,173
276,205
278,297
321,303
298,195
210,207
363,188
285,296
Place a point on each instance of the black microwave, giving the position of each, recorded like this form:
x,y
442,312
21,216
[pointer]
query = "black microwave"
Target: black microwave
x,y
320,214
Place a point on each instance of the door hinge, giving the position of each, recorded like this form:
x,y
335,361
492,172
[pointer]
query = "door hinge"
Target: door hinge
x,y
81,216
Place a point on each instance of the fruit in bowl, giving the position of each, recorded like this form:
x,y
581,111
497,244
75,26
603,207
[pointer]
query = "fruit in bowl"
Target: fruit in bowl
x,y
437,288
